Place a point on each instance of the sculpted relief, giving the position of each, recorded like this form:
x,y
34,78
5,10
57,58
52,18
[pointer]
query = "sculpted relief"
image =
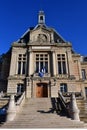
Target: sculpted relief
x,y
42,38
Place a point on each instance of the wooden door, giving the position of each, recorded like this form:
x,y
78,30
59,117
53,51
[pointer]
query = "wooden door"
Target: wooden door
x,y
41,90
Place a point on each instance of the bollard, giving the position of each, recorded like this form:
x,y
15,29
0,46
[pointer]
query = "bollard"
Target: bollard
x,y
11,112
74,108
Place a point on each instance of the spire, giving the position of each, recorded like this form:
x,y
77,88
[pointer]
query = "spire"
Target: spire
x,y
41,17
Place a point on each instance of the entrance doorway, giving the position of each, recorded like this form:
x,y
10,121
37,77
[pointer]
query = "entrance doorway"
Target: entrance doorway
x,y
42,90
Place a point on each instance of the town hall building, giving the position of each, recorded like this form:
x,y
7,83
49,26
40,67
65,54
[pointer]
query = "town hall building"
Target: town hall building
x,y
41,63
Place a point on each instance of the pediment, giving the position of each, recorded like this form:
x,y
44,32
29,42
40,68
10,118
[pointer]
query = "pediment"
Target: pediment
x,y
40,34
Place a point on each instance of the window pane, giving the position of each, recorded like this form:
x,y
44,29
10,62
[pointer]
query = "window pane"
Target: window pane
x,y
20,55
41,66
46,67
58,55
19,58
24,55
37,67
24,58
19,67
23,69
64,67
41,17
37,58
41,55
63,87
22,88
46,58
41,58
59,68
37,55
63,55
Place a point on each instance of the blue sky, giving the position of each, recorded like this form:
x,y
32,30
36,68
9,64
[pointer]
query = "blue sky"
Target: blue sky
x,y
68,17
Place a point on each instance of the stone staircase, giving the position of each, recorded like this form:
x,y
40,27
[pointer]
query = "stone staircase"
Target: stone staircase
x,y
82,105
40,113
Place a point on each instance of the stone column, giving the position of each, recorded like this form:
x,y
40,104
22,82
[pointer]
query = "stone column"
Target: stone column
x,y
79,69
70,63
54,63
31,71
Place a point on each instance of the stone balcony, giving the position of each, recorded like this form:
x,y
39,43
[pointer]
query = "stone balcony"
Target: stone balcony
x,y
45,75
64,76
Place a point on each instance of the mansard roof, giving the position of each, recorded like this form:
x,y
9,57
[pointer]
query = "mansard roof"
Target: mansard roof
x,y
26,36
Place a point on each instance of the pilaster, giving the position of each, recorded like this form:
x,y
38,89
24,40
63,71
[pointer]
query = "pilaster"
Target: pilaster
x,y
54,63
70,63
28,88
31,71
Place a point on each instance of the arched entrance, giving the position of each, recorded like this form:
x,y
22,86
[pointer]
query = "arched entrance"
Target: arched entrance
x,y
41,90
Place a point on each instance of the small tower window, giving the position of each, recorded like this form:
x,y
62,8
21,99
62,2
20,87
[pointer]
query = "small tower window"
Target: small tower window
x,y
41,17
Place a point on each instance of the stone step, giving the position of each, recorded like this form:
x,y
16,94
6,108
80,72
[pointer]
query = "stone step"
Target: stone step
x,y
37,113
82,105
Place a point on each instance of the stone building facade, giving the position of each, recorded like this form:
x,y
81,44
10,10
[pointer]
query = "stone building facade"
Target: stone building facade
x,y
41,63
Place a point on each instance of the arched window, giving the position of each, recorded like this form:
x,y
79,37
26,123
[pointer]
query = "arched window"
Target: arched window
x,y
20,89
63,87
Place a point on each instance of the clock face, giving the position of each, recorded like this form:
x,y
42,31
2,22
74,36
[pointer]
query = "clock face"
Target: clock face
x,y
42,38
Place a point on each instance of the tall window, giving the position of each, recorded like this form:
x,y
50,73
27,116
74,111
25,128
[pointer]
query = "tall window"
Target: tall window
x,y
21,64
41,62
61,64
83,74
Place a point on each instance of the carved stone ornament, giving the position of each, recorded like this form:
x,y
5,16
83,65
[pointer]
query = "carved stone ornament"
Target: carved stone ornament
x,y
42,38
